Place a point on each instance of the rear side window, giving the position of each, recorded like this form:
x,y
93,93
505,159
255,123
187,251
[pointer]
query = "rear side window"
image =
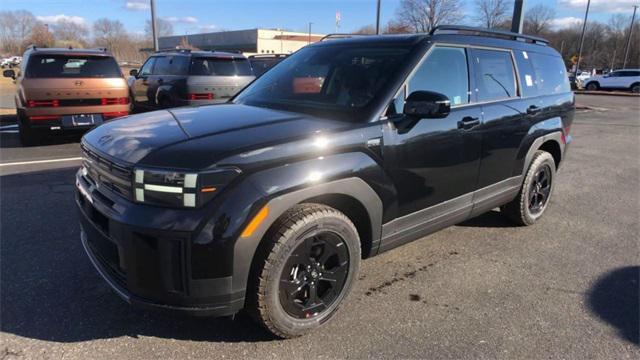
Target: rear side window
x,y
528,79
495,75
69,66
217,66
444,71
551,75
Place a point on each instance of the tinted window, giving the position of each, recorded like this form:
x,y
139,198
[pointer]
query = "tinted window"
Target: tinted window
x,y
334,81
147,68
65,66
494,75
551,76
629,73
180,65
444,71
216,66
163,65
527,73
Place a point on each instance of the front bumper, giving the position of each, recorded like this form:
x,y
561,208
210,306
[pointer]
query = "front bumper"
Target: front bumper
x,y
150,267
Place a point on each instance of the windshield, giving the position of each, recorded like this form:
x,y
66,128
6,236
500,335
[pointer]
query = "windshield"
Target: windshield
x,y
69,66
216,66
332,81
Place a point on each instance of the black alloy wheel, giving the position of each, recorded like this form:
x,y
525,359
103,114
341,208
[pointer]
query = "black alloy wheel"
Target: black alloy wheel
x,y
314,275
539,190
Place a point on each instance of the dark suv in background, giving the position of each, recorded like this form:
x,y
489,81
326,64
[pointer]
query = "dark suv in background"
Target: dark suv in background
x,y
344,150
184,77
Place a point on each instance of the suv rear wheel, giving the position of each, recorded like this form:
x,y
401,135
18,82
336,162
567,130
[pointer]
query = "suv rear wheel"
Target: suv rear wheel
x,y
308,267
28,136
635,88
535,193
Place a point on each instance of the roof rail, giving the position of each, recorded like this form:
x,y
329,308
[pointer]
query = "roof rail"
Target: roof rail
x,y
341,36
469,30
257,56
174,50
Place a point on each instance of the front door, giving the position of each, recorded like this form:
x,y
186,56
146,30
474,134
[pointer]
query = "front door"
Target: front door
x,y
434,163
141,84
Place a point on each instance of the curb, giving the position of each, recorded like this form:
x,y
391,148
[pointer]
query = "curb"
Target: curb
x,y
605,93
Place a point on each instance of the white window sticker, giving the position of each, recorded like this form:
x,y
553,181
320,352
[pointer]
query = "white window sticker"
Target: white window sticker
x,y
457,100
528,80
524,53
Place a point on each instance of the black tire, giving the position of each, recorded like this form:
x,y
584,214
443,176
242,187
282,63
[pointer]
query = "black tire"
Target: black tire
x,y
593,86
535,193
28,136
635,88
277,310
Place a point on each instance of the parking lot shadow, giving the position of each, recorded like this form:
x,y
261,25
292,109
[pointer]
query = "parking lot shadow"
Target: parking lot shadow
x,y
50,291
491,219
615,298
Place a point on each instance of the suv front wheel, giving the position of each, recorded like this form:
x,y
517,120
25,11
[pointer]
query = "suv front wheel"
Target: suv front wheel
x,y
306,269
535,193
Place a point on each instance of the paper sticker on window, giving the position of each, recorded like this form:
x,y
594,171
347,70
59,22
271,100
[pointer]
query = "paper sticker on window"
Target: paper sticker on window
x,y
528,80
307,85
457,100
524,53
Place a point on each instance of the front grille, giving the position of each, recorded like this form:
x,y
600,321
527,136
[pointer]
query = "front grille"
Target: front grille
x,y
107,174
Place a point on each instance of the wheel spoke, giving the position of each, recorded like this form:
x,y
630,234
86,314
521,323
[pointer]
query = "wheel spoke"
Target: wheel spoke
x,y
290,287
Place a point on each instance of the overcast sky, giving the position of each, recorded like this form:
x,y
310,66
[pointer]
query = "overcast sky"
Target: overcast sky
x,y
191,16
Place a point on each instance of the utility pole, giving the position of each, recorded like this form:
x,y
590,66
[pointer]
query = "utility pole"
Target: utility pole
x,y
584,28
613,59
378,18
153,25
309,41
518,19
626,50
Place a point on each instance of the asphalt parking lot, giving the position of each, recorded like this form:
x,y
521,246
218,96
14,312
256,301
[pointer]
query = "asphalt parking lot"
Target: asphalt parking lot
x,y
565,288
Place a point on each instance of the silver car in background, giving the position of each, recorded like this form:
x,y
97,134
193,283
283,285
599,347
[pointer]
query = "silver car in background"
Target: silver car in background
x,y
184,77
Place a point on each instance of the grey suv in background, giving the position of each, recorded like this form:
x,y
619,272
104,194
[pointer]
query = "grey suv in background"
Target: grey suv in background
x,y
183,77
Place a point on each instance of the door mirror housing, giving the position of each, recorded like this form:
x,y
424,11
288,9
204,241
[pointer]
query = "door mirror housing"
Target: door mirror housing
x,y
133,72
9,74
427,104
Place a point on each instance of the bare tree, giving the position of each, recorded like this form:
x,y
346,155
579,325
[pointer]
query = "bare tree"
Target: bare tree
x,y
537,20
69,33
164,28
492,13
41,36
109,33
15,29
424,15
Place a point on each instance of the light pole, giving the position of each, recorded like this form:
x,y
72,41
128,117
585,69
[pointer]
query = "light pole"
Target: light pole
x,y
309,41
517,20
378,18
626,50
584,27
153,25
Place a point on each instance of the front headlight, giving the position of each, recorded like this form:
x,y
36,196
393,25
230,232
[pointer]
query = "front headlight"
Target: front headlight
x,y
179,189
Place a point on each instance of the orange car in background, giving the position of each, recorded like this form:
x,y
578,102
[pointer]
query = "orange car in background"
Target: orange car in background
x,y
66,91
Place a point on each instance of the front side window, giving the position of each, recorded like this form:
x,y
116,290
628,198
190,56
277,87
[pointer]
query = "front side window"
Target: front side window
x,y
220,66
495,75
551,76
147,67
69,66
336,81
444,71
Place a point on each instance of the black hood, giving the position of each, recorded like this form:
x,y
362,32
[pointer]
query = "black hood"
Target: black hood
x,y
195,137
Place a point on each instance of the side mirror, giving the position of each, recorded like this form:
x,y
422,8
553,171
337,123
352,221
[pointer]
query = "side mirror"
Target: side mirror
x,y
427,104
9,74
133,72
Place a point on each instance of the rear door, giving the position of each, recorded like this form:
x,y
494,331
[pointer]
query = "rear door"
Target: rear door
x,y
141,84
218,78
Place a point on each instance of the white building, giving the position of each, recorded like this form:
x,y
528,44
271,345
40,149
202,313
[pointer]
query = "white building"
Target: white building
x,y
253,41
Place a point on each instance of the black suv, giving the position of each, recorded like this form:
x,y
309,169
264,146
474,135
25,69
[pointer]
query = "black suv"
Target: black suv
x,y
183,77
344,150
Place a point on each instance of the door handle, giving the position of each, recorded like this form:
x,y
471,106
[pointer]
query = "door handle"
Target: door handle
x,y
468,122
532,110
160,81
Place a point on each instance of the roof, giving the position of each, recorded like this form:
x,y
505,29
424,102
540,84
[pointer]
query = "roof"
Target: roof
x,y
199,53
64,51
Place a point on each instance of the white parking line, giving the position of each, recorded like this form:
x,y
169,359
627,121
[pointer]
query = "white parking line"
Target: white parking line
x,y
39,161
12,126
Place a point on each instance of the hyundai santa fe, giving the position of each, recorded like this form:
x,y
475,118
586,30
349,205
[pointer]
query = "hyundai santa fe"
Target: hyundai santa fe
x,y
344,150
